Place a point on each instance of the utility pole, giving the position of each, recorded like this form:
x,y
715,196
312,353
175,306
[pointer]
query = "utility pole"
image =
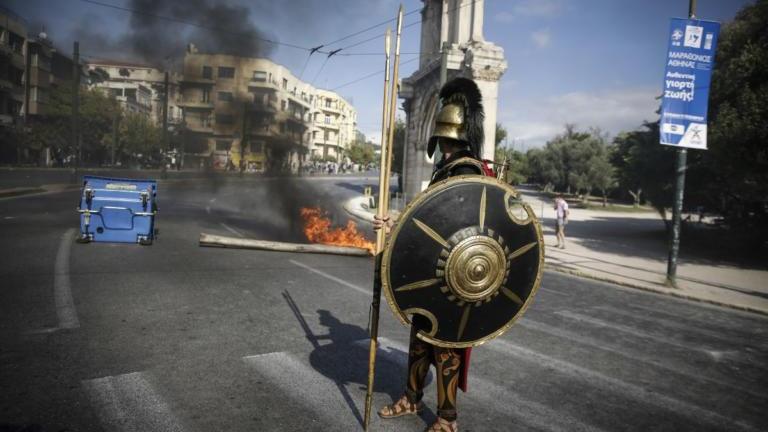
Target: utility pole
x,y
677,206
76,109
242,138
115,133
163,169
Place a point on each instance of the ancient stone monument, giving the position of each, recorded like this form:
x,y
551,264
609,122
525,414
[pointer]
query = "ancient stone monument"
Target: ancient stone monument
x,y
452,45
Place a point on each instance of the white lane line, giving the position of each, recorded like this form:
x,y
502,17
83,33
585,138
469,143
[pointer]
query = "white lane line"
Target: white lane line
x,y
490,394
232,230
675,325
631,331
593,378
308,387
208,207
577,338
62,293
333,278
130,403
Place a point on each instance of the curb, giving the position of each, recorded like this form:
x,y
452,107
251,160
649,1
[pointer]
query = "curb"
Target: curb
x,y
12,193
578,273
353,206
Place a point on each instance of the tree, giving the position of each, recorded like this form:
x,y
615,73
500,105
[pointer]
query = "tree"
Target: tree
x,y
398,147
361,153
501,134
139,136
731,177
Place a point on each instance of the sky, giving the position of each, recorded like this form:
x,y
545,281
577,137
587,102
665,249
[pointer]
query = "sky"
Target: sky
x,y
592,63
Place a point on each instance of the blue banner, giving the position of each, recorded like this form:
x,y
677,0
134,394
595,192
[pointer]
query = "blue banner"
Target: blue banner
x,y
690,59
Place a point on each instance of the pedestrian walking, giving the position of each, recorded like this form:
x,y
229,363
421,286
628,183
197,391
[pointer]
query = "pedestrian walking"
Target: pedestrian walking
x,y
562,212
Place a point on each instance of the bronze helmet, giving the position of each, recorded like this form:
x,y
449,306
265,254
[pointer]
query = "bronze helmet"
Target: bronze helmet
x,y
461,116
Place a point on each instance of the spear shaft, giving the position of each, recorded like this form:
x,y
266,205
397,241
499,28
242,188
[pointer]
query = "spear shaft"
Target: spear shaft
x,y
387,129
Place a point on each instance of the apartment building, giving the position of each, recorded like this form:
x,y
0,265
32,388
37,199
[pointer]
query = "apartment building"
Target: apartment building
x,y
13,37
334,124
254,113
139,88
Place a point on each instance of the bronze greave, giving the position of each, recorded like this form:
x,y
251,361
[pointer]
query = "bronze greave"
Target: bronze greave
x,y
448,365
419,356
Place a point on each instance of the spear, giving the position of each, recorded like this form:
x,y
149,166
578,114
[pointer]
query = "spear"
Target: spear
x,y
387,127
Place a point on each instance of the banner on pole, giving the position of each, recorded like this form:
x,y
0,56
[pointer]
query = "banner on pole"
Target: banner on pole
x,y
690,59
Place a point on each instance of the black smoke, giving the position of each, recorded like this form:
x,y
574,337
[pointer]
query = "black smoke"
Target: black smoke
x,y
213,26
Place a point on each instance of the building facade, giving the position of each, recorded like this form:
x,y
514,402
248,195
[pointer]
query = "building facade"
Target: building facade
x,y
254,114
139,88
13,38
333,126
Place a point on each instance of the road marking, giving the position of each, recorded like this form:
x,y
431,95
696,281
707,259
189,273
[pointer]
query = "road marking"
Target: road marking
x,y
669,323
333,278
232,230
309,387
208,207
62,293
629,330
637,356
489,394
633,391
130,403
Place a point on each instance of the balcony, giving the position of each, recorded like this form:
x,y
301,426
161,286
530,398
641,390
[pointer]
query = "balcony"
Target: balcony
x,y
199,127
320,124
195,104
263,84
197,81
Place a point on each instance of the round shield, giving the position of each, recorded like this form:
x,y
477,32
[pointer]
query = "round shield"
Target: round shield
x,y
467,255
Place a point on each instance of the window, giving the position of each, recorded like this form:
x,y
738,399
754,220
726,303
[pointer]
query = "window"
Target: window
x,y
259,76
256,146
327,119
326,135
223,145
207,72
314,135
282,105
327,103
225,96
206,97
226,72
205,120
285,84
224,119
130,94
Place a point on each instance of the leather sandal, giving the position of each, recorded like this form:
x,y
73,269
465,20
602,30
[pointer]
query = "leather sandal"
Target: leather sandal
x,y
401,408
443,426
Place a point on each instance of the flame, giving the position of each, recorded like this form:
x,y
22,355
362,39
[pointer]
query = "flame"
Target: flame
x,y
317,228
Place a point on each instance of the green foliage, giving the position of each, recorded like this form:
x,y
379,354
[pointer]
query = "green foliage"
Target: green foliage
x,y
573,161
361,153
516,171
139,136
398,147
644,167
731,177
501,134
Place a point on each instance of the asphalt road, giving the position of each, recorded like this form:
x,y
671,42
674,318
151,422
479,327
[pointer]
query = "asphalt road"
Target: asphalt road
x,y
181,338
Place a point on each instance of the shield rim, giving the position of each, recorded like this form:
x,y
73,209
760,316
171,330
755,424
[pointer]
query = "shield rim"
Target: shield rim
x,y
409,210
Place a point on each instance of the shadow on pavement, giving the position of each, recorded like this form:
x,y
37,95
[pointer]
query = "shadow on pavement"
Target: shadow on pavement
x,y
344,349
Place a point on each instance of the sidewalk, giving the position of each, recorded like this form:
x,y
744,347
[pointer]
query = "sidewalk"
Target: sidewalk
x,y
630,249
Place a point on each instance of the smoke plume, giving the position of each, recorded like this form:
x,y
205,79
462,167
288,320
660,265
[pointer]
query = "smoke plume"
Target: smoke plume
x,y
218,28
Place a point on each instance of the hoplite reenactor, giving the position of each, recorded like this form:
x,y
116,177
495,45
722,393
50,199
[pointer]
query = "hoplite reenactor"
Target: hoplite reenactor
x,y
455,248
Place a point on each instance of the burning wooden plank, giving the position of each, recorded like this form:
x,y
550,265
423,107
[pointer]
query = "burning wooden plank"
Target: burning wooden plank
x,y
242,243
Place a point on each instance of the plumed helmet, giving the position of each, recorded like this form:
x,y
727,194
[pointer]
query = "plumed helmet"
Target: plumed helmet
x,y
461,115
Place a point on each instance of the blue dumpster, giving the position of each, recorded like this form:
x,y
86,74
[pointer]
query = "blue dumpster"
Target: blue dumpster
x,y
117,210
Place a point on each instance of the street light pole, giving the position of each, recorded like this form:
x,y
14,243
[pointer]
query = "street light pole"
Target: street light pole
x,y
76,108
163,169
677,206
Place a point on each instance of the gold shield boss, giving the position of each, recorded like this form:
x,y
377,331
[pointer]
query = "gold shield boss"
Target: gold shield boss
x,y
467,254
